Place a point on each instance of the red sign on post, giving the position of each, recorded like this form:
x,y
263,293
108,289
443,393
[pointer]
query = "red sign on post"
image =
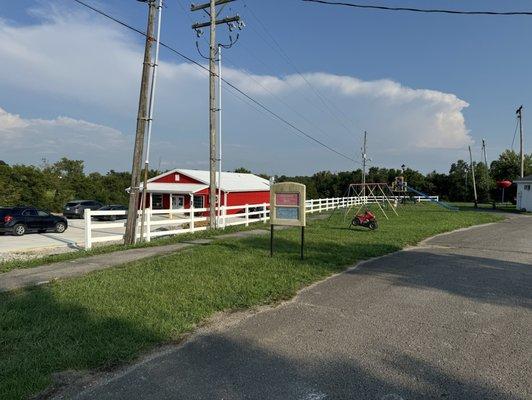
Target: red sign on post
x,y
287,199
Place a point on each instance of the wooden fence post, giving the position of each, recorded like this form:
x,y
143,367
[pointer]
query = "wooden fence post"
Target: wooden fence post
x,y
247,214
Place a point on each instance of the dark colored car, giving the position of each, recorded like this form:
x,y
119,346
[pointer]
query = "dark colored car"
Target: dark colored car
x,y
111,207
76,208
19,220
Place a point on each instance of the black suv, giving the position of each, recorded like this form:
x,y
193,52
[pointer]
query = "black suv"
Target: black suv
x,y
19,220
76,208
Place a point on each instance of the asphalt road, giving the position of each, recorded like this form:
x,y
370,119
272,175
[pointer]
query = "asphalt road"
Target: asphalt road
x,y
450,319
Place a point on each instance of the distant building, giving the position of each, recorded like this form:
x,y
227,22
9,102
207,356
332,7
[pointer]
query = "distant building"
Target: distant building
x,y
524,193
180,188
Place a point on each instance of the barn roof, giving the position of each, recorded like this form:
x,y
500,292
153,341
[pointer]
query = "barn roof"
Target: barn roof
x,y
527,178
231,181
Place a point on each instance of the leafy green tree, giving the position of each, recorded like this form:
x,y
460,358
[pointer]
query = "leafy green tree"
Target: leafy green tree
x,y
242,170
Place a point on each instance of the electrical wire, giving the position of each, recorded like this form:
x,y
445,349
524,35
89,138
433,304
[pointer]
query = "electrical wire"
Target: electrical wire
x,y
254,101
421,10
333,111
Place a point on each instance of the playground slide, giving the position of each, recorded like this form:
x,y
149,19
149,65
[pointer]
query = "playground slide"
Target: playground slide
x,y
440,203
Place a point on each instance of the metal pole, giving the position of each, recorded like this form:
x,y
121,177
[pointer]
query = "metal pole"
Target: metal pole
x,y
219,132
521,139
212,116
150,118
142,117
473,177
271,240
302,241
364,155
484,152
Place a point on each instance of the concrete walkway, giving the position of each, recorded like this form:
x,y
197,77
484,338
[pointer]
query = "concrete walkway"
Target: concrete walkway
x,y
20,278
450,319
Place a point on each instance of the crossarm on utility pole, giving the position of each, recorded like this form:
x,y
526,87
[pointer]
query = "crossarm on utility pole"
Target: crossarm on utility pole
x,y
218,22
207,5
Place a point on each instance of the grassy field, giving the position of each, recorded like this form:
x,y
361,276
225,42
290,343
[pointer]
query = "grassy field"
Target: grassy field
x,y
506,207
109,317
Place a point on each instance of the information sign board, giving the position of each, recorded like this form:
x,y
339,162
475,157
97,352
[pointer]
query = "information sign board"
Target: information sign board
x,y
287,204
287,208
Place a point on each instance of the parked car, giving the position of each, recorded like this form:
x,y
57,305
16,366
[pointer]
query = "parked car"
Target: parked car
x,y
76,208
111,207
20,220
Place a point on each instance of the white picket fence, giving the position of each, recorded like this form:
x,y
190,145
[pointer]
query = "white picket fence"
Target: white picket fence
x,y
174,222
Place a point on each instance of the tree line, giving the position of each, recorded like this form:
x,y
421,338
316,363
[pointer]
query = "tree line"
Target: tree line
x,y
51,185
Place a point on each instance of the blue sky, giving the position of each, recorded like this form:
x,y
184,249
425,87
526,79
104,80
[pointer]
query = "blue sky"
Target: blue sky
x,y
423,86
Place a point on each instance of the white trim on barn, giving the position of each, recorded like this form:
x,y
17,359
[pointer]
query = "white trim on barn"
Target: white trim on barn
x,y
171,187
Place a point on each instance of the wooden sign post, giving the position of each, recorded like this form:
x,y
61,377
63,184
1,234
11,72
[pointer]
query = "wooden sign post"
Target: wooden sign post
x,y
287,208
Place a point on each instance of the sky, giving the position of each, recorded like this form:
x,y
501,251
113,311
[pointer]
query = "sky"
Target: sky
x,y
424,87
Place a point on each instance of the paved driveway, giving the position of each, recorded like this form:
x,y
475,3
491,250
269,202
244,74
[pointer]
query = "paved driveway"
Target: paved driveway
x,y
448,320
72,238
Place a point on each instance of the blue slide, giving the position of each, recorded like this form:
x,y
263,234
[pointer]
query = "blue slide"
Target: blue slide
x,y
440,203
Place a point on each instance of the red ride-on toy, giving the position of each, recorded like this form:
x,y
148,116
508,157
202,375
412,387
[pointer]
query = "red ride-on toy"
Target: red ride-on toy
x,y
366,220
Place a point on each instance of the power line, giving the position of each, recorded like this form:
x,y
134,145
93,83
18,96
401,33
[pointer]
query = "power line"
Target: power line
x,y
421,10
329,106
285,56
256,102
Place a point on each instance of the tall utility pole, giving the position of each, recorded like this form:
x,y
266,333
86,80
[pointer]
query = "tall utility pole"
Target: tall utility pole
x,y
212,93
219,133
473,177
484,155
142,119
150,118
364,158
519,113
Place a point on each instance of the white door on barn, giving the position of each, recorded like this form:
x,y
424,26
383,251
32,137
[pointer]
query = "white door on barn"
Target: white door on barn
x,y
178,201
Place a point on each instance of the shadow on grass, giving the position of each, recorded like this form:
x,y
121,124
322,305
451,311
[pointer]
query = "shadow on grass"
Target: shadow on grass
x,y
40,335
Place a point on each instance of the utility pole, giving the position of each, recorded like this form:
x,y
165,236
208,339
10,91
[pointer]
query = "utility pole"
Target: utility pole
x,y
364,157
219,133
484,155
150,118
519,113
473,177
142,119
212,92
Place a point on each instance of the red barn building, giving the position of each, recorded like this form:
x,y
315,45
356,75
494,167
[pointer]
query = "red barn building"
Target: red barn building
x,y
180,188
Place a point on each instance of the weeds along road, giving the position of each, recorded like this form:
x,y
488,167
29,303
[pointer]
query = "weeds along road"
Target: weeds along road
x,y
450,318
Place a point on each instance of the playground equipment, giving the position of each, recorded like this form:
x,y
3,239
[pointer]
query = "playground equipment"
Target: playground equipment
x,y
376,193
400,187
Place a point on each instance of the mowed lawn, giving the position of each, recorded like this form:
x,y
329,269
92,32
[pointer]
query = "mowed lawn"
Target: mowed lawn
x,y
109,317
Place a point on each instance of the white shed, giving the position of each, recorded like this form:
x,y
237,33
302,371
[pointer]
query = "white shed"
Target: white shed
x,y
524,193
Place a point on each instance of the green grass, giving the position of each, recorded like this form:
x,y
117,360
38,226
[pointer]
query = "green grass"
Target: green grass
x,y
7,266
506,207
109,317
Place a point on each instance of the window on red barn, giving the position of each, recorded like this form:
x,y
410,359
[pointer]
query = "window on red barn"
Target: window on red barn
x,y
157,201
199,201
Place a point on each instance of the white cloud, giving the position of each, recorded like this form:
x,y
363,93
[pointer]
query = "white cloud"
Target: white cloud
x,y
30,140
90,67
